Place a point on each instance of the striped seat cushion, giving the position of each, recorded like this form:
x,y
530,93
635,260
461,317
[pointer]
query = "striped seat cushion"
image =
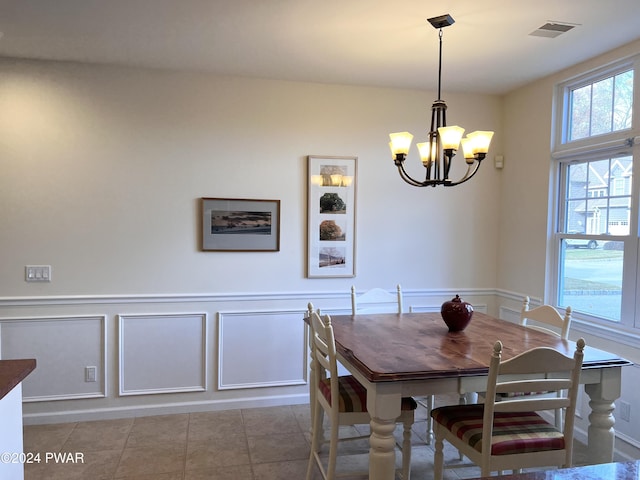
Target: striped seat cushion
x,y
353,396
518,432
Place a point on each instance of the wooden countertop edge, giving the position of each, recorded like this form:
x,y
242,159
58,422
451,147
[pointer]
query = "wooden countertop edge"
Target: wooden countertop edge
x,y
12,372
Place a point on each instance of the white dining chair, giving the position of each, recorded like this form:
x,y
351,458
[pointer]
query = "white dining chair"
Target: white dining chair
x,y
510,434
376,300
546,319
344,400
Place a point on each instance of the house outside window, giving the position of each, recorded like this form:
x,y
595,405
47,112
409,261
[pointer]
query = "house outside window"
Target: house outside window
x,y
595,240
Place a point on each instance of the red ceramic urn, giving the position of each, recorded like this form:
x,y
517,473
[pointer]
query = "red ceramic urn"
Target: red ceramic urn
x,y
456,314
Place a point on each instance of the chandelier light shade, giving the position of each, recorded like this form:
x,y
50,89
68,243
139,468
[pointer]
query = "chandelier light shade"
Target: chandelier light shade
x,y
443,142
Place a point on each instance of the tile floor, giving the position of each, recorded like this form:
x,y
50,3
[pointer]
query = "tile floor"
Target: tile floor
x,y
250,444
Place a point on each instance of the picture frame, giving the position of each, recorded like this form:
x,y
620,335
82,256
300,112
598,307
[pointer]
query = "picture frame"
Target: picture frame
x,y
240,225
331,216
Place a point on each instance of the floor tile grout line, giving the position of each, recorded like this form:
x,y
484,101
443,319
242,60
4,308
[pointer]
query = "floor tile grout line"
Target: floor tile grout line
x,y
186,446
64,442
122,450
246,441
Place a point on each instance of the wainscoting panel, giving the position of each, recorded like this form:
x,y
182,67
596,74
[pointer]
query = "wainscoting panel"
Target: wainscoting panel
x,y
510,314
64,347
162,353
261,349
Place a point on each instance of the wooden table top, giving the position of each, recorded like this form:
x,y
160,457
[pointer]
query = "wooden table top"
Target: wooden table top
x,y
12,372
418,346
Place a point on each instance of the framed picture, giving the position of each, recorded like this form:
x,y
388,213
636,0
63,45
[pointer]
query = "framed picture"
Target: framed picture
x,y
240,225
331,203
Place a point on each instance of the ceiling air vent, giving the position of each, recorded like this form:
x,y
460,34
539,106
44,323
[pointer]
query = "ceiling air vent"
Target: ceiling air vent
x,y
552,29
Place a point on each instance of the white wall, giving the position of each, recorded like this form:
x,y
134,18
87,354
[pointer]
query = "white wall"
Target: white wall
x,y
102,172
525,223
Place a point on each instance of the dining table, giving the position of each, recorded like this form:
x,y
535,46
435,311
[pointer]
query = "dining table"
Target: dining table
x,y
397,355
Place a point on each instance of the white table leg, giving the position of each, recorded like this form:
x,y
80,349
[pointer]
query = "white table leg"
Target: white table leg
x,y
384,409
601,420
382,455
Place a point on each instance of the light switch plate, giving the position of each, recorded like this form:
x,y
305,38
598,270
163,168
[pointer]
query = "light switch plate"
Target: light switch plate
x,y
37,273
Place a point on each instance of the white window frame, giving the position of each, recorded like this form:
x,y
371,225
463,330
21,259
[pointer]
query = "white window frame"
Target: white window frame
x,y
611,145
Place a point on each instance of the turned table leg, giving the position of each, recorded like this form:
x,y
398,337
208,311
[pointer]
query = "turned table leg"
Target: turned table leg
x,y
384,408
601,420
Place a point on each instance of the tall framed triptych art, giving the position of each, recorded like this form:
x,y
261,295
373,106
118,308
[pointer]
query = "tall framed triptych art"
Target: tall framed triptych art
x,y
331,229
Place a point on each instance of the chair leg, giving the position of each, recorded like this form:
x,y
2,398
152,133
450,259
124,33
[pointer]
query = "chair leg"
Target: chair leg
x,y
559,418
462,400
407,422
429,433
318,431
316,439
333,448
438,456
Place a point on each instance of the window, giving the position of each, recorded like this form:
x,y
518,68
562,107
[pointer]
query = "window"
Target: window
x,y
596,240
601,107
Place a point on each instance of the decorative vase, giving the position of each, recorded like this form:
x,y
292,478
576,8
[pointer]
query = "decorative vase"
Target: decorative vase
x,y
456,314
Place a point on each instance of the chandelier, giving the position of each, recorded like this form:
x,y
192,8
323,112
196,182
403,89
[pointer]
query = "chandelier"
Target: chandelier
x,y
437,153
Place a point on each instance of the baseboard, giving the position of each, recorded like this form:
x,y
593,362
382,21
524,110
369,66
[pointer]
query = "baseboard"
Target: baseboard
x,y
67,416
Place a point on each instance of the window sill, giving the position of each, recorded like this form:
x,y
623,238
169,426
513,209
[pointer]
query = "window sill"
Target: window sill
x,y
614,338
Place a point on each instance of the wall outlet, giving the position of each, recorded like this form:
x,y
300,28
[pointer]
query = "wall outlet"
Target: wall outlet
x,y
625,411
90,374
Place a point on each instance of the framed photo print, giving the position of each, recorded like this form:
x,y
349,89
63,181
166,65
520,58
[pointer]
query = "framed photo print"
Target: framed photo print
x,y
241,225
331,216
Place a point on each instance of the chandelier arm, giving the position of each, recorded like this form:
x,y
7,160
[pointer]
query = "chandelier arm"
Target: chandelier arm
x,y
407,178
426,183
475,165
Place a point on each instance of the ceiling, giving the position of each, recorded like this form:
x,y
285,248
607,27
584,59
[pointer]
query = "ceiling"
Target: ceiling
x,y
385,43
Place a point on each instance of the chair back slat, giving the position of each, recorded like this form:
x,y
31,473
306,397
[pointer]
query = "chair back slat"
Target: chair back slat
x,y
546,319
532,405
537,360
536,385
376,300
